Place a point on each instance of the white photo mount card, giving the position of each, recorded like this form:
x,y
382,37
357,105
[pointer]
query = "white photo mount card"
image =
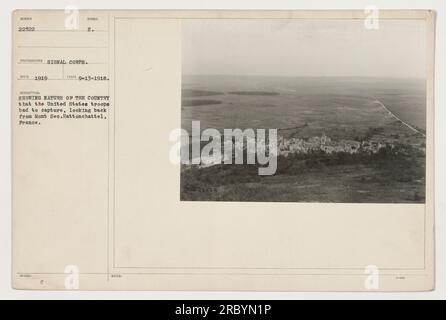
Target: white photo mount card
x,y
223,150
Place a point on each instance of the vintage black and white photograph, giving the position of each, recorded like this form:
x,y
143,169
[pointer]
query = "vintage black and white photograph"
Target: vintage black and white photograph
x,y
342,105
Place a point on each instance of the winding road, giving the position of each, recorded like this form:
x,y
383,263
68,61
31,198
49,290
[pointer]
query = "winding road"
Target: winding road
x,y
397,118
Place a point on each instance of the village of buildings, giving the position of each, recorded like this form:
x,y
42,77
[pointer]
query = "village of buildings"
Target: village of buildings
x,y
288,146
323,143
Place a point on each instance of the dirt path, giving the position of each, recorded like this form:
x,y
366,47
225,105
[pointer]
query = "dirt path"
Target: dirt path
x,y
398,119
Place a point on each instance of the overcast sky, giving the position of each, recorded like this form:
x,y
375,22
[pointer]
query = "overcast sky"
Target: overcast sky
x,y
304,48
